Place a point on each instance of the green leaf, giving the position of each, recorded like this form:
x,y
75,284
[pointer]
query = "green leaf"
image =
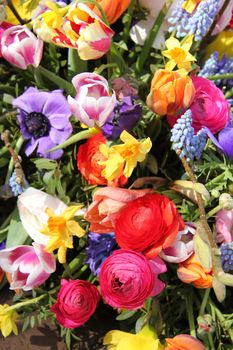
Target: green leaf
x,y
16,233
125,315
44,163
140,323
75,64
202,248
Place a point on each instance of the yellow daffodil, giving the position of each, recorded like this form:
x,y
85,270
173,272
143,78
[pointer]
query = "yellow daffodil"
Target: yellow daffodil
x,y
54,18
178,53
223,44
61,229
22,10
8,317
190,5
124,158
146,339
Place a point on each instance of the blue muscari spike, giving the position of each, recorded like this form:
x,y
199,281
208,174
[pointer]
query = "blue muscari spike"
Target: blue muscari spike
x,y
15,187
226,254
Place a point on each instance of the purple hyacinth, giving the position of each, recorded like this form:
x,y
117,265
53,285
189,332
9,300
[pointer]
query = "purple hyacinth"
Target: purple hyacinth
x,y
3,245
44,121
226,253
100,246
16,188
124,117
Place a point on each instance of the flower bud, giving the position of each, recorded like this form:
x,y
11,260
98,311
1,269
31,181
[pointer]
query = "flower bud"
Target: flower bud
x,y
226,201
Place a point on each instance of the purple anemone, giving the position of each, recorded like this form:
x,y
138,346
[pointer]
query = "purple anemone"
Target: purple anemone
x,y
225,139
44,121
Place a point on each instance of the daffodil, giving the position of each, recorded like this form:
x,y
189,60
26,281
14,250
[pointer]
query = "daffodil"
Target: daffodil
x,y
54,18
190,5
61,229
178,53
22,8
124,158
146,339
8,317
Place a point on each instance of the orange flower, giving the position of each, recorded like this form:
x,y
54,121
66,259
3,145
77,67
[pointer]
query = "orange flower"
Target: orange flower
x,y
112,9
184,342
191,271
171,93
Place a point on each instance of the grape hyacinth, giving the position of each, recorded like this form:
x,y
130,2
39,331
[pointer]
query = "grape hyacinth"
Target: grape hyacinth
x,y
16,188
215,66
184,139
226,251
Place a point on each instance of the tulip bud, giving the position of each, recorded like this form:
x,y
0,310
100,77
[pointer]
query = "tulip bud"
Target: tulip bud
x,y
205,325
226,201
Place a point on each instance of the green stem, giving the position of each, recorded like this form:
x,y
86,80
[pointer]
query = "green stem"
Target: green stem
x,y
189,306
204,302
128,16
17,148
220,76
211,342
229,93
213,211
80,272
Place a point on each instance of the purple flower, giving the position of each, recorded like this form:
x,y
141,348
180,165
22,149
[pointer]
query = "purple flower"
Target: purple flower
x,y
225,139
124,117
44,121
2,245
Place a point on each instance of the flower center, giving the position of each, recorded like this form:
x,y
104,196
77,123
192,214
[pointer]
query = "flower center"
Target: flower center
x,y
37,124
56,224
130,152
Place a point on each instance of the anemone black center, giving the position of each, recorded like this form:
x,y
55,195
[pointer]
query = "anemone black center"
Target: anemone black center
x,y
37,124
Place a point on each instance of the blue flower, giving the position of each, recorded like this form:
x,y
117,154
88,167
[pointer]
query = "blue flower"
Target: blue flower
x,y
226,251
16,188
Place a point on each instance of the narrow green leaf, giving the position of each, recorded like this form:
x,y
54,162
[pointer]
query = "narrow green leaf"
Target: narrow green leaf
x,y
125,315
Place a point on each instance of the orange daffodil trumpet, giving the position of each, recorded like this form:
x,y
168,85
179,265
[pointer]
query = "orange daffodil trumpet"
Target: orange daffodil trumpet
x,y
74,26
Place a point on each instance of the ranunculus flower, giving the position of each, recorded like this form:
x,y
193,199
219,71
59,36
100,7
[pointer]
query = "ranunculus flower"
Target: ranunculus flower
x,y
148,224
29,266
191,271
224,226
182,247
76,302
171,93
184,342
88,158
113,9
210,107
93,103
127,279
21,47
106,204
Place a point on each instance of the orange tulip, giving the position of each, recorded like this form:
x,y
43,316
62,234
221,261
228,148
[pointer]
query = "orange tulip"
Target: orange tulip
x,y
184,342
112,9
171,93
191,271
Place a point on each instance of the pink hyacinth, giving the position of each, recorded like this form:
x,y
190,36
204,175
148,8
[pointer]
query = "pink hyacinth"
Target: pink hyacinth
x,y
224,226
21,47
29,266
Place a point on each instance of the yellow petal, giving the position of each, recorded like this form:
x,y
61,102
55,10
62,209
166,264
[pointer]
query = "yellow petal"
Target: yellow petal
x,y
50,213
75,229
185,65
62,254
70,212
114,337
171,43
190,5
187,43
104,150
6,326
145,146
127,138
138,343
170,65
129,167
53,244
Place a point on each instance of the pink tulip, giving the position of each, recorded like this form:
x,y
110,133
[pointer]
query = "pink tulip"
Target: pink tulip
x,y
21,47
224,226
29,266
3,27
182,248
93,103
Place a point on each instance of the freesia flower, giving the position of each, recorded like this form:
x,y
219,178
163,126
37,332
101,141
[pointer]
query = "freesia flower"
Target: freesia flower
x,y
106,204
178,53
224,141
76,302
145,339
8,317
93,103
44,121
60,229
29,266
184,342
124,157
20,47
224,226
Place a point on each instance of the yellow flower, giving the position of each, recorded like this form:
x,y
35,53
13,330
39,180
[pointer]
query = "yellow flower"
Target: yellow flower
x,y
22,9
61,230
54,18
190,5
124,157
223,44
8,319
178,53
146,339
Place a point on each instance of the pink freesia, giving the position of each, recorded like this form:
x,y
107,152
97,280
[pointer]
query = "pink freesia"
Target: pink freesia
x,y
224,226
21,47
106,204
93,103
3,27
127,279
29,266
182,248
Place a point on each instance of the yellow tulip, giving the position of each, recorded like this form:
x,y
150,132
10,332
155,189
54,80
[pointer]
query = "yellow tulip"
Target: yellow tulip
x,y
223,44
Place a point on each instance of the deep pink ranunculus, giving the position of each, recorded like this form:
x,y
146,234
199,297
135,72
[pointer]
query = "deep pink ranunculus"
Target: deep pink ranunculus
x,y
127,279
76,302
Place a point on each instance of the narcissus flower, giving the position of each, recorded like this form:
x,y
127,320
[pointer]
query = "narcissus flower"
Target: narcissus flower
x,y
178,53
124,157
8,317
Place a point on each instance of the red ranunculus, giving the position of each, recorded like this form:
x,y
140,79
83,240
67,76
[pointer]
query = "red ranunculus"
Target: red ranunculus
x,y
148,224
76,302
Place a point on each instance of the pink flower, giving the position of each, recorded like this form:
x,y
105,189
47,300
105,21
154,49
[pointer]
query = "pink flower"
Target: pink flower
x,y
3,27
182,248
224,226
106,204
127,279
21,47
29,266
93,103
76,302
209,108
224,18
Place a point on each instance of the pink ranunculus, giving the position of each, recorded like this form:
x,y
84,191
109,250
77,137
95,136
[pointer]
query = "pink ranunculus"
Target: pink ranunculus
x,y
127,279
3,27
76,302
224,226
106,204
210,107
182,248
21,47
29,266
93,103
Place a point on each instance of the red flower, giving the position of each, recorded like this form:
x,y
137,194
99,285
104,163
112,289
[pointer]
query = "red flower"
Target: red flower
x,y
231,21
148,224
